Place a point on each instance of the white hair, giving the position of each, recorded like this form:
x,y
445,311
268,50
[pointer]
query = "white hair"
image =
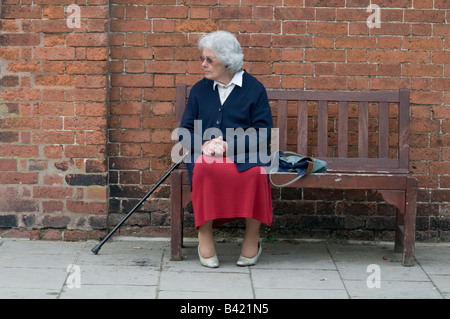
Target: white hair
x,y
226,48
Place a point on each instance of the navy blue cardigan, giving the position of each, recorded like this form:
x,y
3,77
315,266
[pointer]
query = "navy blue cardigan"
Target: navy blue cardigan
x,y
246,114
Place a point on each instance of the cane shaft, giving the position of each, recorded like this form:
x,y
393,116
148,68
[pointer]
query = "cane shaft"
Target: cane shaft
x,y
96,249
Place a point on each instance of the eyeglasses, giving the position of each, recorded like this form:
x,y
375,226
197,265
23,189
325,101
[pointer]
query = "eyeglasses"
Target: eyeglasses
x,y
207,58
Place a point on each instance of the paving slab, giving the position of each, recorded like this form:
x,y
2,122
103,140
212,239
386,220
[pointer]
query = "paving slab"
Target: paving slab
x,y
134,268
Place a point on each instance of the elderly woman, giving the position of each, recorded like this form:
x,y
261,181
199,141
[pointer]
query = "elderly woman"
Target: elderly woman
x,y
228,185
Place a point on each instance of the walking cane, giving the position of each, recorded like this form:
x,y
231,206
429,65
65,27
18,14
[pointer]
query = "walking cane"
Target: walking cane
x,y
96,249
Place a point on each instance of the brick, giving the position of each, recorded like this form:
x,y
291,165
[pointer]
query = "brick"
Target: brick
x,y
326,83
89,40
52,192
169,12
129,163
417,43
19,151
170,39
18,205
18,178
96,166
8,164
87,67
286,41
53,12
86,207
8,221
327,28
191,25
97,54
53,137
54,53
356,42
28,66
84,123
9,136
131,25
54,80
434,16
93,109
323,55
85,179
97,193
20,39
91,95
293,68
50,26
160,94
128,80
55,221
135,66
388,56
417,70
21,12
166,67
84,151
294,13
21,95
19,123
130,136
131,53
61,109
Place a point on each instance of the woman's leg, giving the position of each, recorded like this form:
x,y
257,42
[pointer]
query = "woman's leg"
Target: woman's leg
x,y
251,238
206,240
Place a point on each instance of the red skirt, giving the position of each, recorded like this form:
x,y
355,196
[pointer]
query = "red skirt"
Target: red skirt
x,y
222,194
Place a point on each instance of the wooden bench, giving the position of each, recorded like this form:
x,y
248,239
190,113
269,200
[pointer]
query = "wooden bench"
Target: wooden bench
x,y
370,150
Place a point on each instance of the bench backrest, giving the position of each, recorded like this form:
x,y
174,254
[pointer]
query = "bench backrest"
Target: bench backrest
x,y
351,131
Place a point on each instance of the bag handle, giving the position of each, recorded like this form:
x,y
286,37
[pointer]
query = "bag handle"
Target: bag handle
x,y
310,167
286,184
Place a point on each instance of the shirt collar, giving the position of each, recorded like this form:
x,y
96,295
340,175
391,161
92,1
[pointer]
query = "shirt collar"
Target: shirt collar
x,y
236,80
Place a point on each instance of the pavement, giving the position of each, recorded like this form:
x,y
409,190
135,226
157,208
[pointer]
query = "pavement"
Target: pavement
x,y
134,268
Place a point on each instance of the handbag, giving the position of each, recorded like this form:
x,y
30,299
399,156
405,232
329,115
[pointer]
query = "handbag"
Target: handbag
x,y
294,162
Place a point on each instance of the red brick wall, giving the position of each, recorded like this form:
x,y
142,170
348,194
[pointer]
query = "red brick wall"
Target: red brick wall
x,y
65,111
53,122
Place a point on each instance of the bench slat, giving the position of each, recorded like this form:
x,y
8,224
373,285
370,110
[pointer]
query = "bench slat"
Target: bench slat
x,y
322,129
334,96
302,127
343,129
363,130
383,130
282,123
359,163
403,134
344,181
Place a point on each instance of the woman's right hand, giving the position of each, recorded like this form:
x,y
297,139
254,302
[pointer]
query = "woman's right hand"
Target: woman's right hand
x,y
215,147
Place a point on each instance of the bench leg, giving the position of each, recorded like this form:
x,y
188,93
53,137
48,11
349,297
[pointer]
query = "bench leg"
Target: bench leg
x,y
176,216
405,202
409,233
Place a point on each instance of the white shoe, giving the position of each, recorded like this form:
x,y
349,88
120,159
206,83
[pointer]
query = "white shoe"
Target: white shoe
x,y
212,262
244,261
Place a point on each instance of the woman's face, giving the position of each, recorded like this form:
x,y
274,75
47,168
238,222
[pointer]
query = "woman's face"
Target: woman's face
x,y
214,70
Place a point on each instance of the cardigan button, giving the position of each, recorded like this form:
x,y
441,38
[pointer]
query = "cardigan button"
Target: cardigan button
x,y
218,122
